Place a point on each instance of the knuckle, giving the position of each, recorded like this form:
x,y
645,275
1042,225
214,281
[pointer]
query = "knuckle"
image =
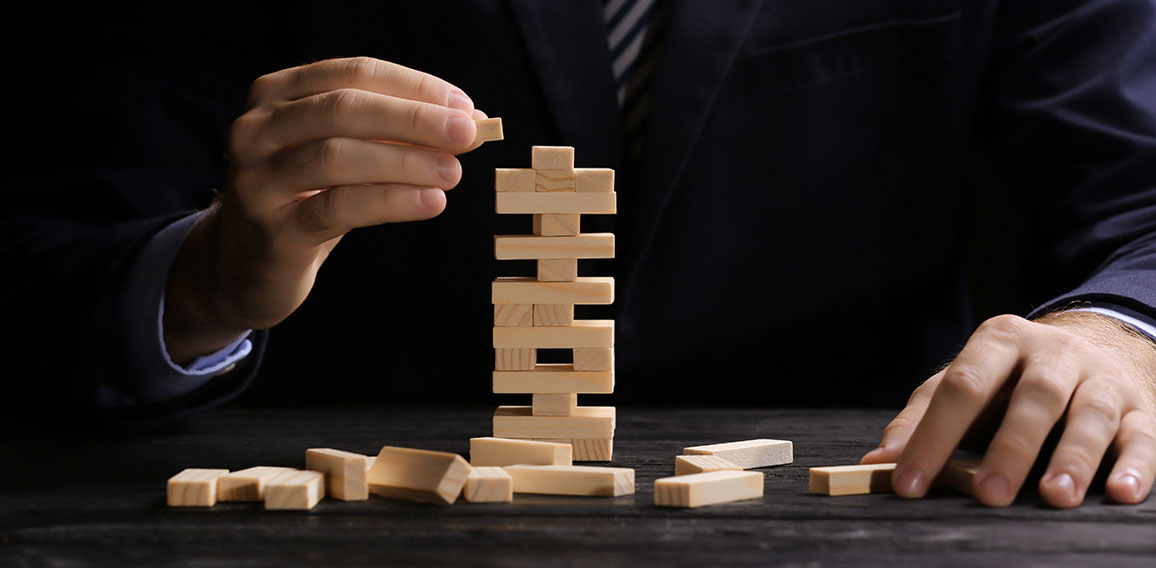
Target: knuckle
x,y
342,104
361,68
964,381
320,214
1004,327
1015,445
1048,389
1097,407
900,423
261,88
1081,457
329,155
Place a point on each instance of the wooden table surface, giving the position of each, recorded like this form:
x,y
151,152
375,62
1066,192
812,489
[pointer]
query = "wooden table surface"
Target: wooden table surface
x,y
100,500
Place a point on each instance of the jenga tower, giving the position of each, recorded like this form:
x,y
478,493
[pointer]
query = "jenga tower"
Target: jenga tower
x,y
538,313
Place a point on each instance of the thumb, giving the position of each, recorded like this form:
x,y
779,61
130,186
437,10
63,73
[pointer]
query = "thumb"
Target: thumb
x,y
896,434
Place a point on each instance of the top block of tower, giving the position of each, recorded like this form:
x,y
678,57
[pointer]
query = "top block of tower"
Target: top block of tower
x,y
552,158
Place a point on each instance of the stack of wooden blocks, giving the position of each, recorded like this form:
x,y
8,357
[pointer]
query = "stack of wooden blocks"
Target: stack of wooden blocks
x,y
538,313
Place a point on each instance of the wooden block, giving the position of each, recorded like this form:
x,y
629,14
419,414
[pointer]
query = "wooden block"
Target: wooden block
x,y
344,472
557,202
194,487
515,179
515,359
488,485
489,129
748,454
522,247
594,180
584,422
554,404
852,479
587,449
581,334
558,270
586,290
710,488
369,461
296,490
553,315
506,451
557,225
594,360
418,475
554,378
554,180
582,480
686,465
959,474
514,315
552,157
247,484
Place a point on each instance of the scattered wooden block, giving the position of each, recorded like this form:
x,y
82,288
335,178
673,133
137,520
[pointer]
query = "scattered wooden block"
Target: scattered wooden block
x,y
515,359
553,315
959,474
514,315
852,479
297,490
505,451
594,360
710,488
344,472
489,129
194,487
554,404
748,454
488,485
418,475
686,465
558,202
522,247
588,449
558,270
552,157
522,290
554,378
554,180
594,180
247,484
515,180
557,225
584,422
581,480
580,334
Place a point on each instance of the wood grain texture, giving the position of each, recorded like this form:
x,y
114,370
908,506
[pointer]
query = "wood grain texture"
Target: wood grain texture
x,y
588,449
749,454
553,315
710,488
488,130
488,485
515,359
554,180
295,490
594,360
558,270
584,422
581,480
490,451
557,225
579,334
247,484
594,180
526,247
592,290
344,472
561,202
554,378
851,479
554,404
194,487
552,157
418,475
514,315
514,180
686,465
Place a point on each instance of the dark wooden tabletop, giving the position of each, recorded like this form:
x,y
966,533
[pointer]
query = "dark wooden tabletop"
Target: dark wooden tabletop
x,y
100,499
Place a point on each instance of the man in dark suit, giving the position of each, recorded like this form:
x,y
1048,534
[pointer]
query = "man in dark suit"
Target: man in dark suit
x,y
790,232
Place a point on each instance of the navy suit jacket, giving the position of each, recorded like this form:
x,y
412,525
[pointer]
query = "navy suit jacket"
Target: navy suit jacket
x,y
794,233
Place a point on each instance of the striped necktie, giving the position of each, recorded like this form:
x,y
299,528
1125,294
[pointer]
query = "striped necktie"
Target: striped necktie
x,y
633,27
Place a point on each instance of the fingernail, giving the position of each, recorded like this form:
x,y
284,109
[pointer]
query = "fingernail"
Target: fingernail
x,y
432,198
996,486
909,483
1133,483
460,101
448,169
1064,482
458,129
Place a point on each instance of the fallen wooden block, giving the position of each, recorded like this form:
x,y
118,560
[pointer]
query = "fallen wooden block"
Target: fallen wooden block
x,y
194,487
557,225
344,472
514,315
418,475
558,202
558,270
594,360
583,480
297,490
554,404
580,334
515,359
852,479
710,488
594,180
527,247
514,179
959,474
687,465
554,180
748,454
488,485
553,378
552,157
587,449
247,484
489,129
586,290
585,422
505,451
553,315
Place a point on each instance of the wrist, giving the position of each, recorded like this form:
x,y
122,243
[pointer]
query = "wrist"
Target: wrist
x,y
1131,348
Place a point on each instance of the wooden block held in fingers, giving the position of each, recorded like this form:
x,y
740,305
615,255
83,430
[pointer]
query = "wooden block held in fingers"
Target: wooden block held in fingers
x,y
584,422
554,180
507,451
594,360
594,180
488,129
589,449
554,404
344,472
514,315
852,479
524,247
552,157
686,465
418,475
522,290
514,179
488,485
558,270
556,202
557,225
580,334
748,454
710,488
959,474
296,490
194,487
247,484
515,359
583,480
554,378
553,315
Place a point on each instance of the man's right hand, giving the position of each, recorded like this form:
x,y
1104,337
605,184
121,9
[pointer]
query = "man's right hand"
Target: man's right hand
x,y
322,149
